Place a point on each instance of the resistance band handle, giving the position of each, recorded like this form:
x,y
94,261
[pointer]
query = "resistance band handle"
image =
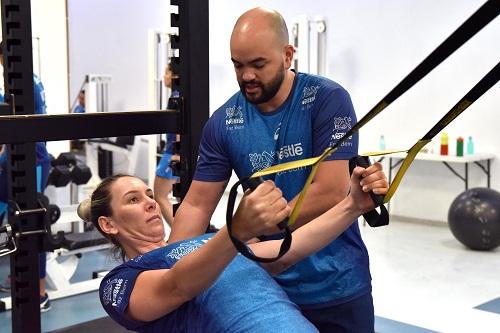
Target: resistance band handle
x,y
373,218
239,245
364,162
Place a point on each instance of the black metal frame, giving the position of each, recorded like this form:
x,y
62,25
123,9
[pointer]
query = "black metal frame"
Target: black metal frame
x,y
18,128
18,78
193,82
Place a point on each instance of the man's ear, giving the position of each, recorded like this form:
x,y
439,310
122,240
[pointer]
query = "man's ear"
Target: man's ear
x,y
289,52
107,225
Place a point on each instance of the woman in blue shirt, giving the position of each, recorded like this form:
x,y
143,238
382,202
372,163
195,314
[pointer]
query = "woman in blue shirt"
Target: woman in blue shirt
x,y
201,284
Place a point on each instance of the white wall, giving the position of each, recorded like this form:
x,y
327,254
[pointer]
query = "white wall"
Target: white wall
x,y
49,24
110,37
372,45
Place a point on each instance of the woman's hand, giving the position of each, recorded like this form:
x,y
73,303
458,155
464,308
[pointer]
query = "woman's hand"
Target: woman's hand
x,y
260,211
365,180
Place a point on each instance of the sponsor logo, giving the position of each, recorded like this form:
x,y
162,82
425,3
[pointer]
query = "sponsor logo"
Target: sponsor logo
x,y
184,249
290,151
340,127
309,94
113,291
234,115
266,158
342,123
261,161
277,132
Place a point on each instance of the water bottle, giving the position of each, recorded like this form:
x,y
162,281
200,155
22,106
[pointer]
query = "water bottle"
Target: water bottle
x,y
381,143
444,144
470,146
460,146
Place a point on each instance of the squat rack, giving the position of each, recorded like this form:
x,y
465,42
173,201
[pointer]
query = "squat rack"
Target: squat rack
x,y
20,129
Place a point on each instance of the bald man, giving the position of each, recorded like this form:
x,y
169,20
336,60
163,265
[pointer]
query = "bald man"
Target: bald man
x,y
279,116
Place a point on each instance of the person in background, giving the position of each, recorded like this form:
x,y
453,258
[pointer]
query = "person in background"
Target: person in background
x,y
78,145
80,107
164,179
43,168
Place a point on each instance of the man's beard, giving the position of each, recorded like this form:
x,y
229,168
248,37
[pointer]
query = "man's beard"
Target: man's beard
x,y
268,91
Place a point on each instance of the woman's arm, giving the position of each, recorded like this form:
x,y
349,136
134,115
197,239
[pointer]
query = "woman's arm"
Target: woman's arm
x,y
315,235
158,292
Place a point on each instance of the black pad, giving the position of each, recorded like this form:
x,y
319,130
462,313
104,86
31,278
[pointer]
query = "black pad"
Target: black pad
x,y
81,240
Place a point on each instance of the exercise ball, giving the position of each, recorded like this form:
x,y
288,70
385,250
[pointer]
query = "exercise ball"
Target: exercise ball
x,y
474,218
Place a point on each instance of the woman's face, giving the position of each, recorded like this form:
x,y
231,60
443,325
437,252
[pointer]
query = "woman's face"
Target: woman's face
x,y
136,215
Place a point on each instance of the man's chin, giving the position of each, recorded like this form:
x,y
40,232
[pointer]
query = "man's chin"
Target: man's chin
x,y
252,98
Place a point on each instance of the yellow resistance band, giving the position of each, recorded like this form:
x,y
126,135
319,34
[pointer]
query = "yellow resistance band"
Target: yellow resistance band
x,y
314,162
412,153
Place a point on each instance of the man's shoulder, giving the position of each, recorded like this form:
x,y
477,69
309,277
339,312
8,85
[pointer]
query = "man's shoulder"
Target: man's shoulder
x,y
314,88
37,80
234,103
320,81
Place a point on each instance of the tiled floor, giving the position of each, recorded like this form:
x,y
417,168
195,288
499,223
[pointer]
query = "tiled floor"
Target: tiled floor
x,y
423,280
422,276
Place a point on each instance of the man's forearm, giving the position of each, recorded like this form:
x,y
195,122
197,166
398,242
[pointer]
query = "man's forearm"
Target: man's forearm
x,y
188,222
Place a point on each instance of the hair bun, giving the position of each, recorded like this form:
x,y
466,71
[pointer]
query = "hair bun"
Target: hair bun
x,y
83,210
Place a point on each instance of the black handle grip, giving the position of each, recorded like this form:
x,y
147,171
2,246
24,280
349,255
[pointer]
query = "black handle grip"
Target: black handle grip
x,y
240,246
374,218
364,162
252,183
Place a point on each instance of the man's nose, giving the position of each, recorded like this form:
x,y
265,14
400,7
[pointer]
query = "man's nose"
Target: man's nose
x,y
248,75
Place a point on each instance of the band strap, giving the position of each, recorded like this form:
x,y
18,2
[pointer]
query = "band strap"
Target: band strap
x,y
252,183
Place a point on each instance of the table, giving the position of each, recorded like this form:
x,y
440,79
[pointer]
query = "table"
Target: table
x,y
482,160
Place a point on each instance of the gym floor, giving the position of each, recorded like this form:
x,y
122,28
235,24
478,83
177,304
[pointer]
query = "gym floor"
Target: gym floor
x,y
423,281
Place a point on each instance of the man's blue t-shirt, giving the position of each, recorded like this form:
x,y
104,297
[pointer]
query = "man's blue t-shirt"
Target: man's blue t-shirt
x,y
244,298
315,115
79,109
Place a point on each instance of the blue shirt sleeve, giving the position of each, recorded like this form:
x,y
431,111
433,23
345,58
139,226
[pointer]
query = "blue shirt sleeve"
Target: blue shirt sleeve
x,y
40,106
213,162
335,116
115,291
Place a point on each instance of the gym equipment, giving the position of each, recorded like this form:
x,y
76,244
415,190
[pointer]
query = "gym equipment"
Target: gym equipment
x,y
252,183
309,40
67,168
192,15
474,218
59,176
64,258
